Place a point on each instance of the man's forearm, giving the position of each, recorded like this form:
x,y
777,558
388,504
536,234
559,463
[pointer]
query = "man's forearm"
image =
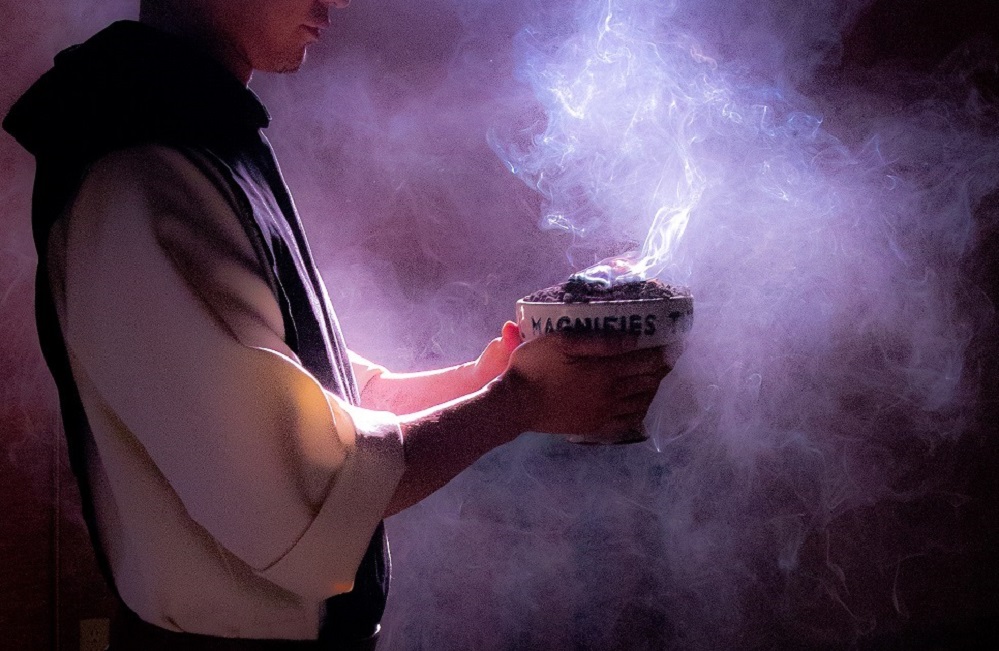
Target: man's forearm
x,y
407,393
442,441
596,387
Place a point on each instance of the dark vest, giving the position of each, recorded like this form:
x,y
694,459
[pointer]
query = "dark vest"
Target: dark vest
x,y
131,85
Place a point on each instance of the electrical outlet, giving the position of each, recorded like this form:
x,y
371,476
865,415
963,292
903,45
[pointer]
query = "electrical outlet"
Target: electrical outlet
x,y
94,634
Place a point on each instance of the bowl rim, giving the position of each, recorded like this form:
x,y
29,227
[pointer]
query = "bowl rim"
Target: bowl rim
x,y
627,301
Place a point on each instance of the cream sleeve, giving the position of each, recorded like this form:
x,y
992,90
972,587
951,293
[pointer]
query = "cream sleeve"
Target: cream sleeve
x,y
364,371
171,324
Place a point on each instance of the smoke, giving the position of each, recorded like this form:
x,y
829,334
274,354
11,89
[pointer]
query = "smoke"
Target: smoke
x,y
823,229
813,463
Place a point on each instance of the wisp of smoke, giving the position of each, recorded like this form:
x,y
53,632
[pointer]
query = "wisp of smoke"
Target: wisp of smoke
x,y
827,363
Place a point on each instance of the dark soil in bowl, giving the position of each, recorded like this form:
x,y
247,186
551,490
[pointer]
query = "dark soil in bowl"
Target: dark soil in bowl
x,y
577,290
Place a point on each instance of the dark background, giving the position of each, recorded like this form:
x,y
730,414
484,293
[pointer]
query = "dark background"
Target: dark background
x,y
418,300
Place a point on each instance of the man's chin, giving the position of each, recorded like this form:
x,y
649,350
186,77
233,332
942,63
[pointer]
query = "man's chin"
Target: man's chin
x,y
289,64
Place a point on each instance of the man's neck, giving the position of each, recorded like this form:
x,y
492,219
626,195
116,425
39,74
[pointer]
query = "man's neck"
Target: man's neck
x,y
199,32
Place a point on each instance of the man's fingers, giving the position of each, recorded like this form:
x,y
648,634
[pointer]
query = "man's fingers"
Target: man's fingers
x,y
622,349
648,361
591,385
634,405
627,365
640,386
588,345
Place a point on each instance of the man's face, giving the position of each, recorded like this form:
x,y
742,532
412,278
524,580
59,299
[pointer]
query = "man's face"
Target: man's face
x,y
272,35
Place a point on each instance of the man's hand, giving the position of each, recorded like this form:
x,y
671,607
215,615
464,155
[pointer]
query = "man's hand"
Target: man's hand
x,y
406,393
598,387
496,357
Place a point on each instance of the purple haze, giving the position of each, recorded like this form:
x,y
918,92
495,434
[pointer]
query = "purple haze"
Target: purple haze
x,y
813,476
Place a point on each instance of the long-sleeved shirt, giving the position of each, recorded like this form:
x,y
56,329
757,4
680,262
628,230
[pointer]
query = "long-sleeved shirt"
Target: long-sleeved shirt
x,y
232,493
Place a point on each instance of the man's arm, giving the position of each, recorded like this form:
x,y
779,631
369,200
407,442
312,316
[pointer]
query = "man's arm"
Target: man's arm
x,y
177,338
595,387
406,393
590,387
177,346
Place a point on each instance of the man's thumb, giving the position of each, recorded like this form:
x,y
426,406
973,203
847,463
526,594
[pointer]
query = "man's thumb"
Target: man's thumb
x,y
511,335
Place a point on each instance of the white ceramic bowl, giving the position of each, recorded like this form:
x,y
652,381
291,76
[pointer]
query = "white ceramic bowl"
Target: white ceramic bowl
x,y
657,322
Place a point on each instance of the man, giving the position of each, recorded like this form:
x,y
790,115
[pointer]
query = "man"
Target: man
x,y
235,459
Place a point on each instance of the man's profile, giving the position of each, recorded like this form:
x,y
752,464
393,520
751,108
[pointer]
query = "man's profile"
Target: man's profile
x,y
236,459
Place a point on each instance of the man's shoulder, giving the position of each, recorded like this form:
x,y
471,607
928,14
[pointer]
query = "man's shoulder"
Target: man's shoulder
x,y
153,200
159,188
152,165
166,178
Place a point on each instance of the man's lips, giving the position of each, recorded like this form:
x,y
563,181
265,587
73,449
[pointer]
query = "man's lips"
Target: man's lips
x,y
315,31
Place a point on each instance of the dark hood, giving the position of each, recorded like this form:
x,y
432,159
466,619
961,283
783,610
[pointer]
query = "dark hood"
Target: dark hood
x,y
131,84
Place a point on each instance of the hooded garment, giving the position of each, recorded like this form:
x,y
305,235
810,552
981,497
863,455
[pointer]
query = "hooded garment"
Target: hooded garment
x,y
133,86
